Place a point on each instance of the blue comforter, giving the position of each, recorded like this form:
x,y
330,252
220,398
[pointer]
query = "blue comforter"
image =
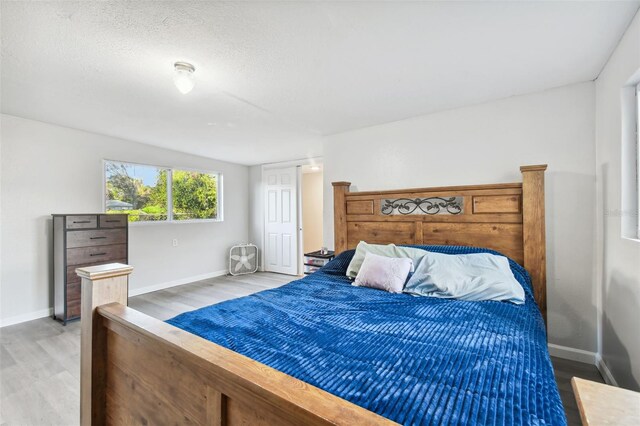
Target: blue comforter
x,y
414,360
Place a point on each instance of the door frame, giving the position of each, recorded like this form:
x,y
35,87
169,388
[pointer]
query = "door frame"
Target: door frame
x,y
293,163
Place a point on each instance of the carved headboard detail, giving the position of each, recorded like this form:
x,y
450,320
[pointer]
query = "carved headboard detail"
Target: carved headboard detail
x,y
506,217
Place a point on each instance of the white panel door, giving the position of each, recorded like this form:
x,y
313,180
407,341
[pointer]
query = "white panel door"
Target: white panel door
x,y
281,221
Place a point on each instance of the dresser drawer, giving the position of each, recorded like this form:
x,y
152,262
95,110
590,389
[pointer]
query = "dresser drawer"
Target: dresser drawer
x,y
73,309
72,277
96,254
96,237
113,220
82,222
73,292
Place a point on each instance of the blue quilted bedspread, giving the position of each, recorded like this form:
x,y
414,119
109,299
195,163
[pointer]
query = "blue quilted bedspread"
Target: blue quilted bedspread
x,y
414,360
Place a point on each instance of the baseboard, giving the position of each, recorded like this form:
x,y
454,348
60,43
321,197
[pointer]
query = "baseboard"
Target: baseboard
x,y
181,281
43,313
572,354
605,372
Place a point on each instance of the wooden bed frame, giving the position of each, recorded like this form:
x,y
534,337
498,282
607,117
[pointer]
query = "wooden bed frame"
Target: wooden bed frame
x,y
139,370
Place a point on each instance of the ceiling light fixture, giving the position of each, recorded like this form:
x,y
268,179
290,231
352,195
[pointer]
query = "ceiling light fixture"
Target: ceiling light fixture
x,y
315,168
183,78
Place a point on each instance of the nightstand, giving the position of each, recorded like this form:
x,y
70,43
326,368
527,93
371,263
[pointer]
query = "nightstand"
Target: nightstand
x,y
601,404
316,260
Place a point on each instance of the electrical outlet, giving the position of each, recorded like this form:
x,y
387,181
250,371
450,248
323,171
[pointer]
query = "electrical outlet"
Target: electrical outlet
x,y
175,242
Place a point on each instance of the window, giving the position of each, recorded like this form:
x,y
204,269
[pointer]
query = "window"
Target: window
x,y
161,194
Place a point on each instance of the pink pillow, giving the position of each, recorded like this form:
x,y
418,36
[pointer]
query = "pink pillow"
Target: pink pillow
x,y
384,273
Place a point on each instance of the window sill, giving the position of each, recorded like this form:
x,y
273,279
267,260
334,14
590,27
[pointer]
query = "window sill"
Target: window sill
x,y
173,222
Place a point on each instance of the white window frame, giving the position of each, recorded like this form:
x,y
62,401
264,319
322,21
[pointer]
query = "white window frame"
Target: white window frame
x,y
170,170
637,158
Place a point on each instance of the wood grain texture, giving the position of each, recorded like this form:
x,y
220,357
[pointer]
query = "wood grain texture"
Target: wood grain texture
x,y
601,404
82,255
419,232
503,237
99,272
440,189
497,204
442,218
534,242
340,189
380,233
113,221
82,222
216,404
96,237
360,207
100,285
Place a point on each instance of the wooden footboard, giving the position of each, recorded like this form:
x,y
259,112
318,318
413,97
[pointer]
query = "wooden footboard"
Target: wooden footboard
x,y
136,369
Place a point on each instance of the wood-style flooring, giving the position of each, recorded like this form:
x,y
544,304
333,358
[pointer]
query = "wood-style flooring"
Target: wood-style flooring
x,y
40,360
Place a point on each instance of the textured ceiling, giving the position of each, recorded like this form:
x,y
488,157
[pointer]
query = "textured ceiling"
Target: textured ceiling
x,y
272,77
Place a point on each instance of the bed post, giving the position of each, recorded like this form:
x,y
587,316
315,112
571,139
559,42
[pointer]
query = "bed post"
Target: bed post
x,y
535,260
340,189
101,285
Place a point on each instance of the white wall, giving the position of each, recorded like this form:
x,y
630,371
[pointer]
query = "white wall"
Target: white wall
x,y
51,169
312,211
486,144
619,275
256,210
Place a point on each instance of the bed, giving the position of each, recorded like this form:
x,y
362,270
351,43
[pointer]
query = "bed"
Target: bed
x,y
320,351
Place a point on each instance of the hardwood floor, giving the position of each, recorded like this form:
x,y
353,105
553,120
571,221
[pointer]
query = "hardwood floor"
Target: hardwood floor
x,y
40,360
165,304
564,370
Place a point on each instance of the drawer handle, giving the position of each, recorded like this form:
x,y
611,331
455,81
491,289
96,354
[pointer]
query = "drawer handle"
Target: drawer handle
x,y
81,221
97,238
113,221
97,254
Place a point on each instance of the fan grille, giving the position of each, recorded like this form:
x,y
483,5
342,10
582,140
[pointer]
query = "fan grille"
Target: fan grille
x,y
243,259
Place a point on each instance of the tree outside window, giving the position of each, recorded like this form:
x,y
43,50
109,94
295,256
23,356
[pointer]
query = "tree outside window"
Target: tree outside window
x,y
143,192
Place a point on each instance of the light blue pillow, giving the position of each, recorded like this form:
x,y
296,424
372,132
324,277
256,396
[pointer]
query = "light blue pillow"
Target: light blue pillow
x,y
477,276
388,250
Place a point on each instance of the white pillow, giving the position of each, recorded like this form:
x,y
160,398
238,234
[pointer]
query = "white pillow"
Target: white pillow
x,y
389,250
384,273
477,276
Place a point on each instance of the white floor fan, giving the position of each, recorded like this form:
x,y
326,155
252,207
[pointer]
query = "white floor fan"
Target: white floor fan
x,y
243,259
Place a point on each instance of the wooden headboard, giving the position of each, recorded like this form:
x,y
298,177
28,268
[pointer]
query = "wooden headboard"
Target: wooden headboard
x,y
507,217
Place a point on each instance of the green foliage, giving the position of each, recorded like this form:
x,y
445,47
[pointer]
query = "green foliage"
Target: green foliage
x,y
158,194
158,210
122,187
140,215
195,194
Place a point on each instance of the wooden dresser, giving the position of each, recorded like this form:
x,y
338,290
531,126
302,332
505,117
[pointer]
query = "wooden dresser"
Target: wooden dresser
x,y
83,240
